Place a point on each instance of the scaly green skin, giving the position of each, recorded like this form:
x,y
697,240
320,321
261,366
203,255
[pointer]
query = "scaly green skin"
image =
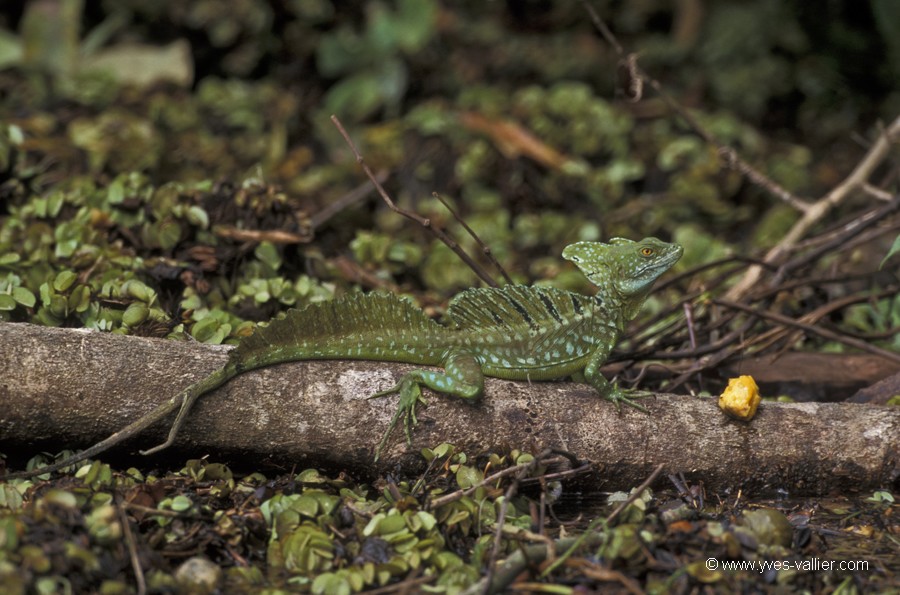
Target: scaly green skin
x,y
514,332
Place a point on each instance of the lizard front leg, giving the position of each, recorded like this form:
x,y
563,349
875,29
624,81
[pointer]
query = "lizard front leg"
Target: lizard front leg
x,y
609,390
462,377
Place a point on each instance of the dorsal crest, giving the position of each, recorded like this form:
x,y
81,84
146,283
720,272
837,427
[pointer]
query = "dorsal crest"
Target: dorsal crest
x,y
516,307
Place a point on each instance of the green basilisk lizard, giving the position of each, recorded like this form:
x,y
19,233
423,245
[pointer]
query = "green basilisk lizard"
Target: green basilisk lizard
x,y
514,332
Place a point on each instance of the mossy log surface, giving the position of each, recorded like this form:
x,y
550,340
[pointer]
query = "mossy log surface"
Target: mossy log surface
x,y
70,388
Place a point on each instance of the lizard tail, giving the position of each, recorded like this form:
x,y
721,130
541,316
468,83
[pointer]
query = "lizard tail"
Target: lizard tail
x,y
183,402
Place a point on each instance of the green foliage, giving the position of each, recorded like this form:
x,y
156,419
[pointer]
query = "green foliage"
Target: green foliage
x,y
60,265
316,533
127,210
895,249
388,538
738,50
370,63
877,317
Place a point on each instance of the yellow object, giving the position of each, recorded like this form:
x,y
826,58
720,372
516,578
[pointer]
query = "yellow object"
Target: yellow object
x,y
741,398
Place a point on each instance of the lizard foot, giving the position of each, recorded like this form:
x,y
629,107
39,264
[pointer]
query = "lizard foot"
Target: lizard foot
x,y
410,396
627,395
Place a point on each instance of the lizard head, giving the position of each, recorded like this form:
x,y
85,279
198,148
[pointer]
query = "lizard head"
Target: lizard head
x,y
624,270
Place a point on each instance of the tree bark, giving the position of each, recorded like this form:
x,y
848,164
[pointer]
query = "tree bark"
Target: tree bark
x,y
72,387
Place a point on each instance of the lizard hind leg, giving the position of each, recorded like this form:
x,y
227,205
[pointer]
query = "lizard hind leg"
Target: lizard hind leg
x,y
462,377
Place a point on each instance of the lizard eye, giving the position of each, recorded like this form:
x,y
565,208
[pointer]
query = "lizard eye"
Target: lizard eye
x,y
647,251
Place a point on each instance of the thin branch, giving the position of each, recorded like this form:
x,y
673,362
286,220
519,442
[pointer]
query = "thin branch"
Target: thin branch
x,y
459,494
787,321
876,192
276,236
820,208
729,155
423,221
131,544
838,238
504,575
484,247
635,494
350,198
773,336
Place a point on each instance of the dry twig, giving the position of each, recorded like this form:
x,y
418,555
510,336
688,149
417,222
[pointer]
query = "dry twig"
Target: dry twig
x,y
817,211
811,212
730,156
423,221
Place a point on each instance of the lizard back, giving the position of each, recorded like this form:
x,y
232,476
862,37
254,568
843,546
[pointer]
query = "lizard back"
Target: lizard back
x,y
374,326
521,331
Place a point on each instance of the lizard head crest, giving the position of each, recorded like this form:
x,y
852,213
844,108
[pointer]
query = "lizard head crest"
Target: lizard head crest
x,y
624,270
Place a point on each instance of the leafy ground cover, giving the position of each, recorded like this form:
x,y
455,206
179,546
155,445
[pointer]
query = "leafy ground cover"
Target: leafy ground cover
x,y
205,529
218,193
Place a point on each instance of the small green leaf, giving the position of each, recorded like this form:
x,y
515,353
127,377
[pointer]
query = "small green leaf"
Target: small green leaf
x,y
7,302
80,299
46,294
881,497
66,248
268,253
139,291
894,250
64,281
16,136
24,296
115,193
55,203
169,234
181,503
59,306
390,524
311,476
47,318
329,582
9,258
216,472
205,329
427,519
197,216
61,498
306,506
135,314
467,476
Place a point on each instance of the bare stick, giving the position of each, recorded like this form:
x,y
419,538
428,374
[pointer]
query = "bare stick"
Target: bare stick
x,y
132,549
839,239
505,574
812,213
731,157
787,321
276,236
423,221
501,519
484,247
876,192
855,181
354,196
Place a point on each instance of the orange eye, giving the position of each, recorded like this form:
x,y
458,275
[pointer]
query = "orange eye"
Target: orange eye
x,y
647,251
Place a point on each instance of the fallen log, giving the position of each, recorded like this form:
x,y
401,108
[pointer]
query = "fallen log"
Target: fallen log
x,y
73,387
814,376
